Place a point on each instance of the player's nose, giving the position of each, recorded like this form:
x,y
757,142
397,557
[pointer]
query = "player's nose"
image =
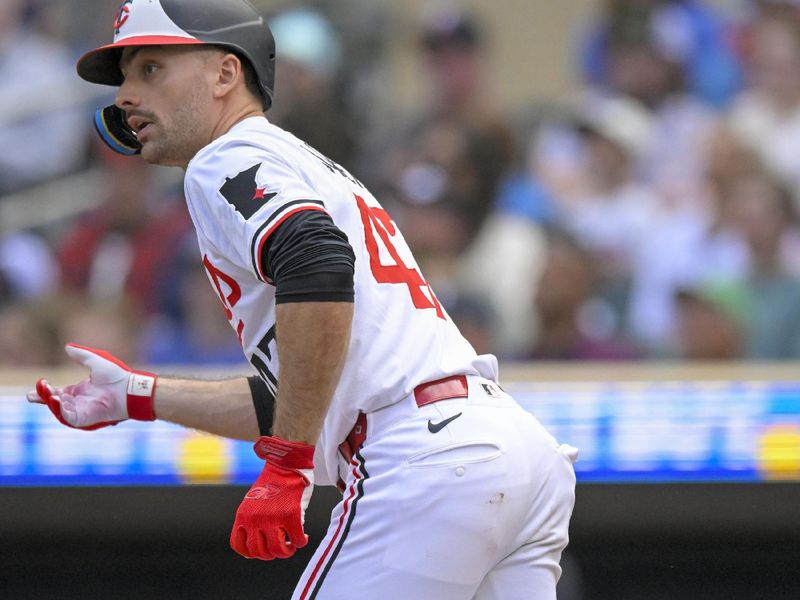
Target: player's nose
x,y
127,97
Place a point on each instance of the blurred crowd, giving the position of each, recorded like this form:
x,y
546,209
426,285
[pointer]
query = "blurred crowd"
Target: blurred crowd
x,y
651,213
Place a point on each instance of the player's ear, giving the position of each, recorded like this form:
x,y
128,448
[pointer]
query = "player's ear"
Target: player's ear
x,y
229,73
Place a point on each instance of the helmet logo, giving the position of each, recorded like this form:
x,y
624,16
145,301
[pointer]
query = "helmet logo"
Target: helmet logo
x,y
122,15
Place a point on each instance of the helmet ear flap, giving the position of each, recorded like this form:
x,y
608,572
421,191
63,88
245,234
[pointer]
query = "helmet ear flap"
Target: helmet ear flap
x,y
113,129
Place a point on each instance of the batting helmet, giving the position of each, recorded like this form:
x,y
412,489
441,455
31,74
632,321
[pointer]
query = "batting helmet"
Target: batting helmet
x,y
231,24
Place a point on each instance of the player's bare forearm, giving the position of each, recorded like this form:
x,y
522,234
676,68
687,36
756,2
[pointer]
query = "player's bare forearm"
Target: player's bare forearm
x,y
223,408
313,338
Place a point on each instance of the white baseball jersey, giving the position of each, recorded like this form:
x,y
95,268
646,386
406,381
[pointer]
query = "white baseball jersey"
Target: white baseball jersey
x,y
239,189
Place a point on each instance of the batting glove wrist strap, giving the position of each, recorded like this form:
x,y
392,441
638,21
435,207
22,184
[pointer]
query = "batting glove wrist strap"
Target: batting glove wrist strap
x,y
284,453
269,521
139,400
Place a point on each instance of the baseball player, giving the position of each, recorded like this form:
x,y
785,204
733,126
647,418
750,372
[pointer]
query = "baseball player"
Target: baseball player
x,y
450,489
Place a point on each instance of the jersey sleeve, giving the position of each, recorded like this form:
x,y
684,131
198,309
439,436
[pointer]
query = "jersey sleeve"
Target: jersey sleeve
x,y
249,192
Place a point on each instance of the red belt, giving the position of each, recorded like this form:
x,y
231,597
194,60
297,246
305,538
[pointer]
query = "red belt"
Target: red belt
x,y
424,394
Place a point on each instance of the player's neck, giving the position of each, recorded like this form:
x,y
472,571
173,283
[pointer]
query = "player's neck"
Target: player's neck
x,y
228,119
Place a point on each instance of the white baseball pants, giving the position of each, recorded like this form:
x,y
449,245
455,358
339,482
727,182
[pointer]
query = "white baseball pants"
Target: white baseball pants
x,y
477,508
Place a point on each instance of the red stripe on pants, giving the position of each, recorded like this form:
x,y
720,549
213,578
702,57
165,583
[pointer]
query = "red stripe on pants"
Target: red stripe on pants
x,y
322,558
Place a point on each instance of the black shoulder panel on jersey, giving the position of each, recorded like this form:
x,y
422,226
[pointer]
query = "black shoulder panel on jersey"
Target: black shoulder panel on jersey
x,y
310,260
243,193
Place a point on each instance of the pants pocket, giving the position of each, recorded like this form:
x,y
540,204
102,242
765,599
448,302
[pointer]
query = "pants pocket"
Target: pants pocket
x,y
456,453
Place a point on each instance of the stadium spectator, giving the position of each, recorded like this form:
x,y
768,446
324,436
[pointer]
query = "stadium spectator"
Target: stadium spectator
x,y
762,211
766,115
34,332
782,10
439,171
193,329
701,41
38,139
28,268
127,247
112,324
680,246
309,104
609,213
573,324
435,200
458,125
645,62
712,321
436,197
508,255
28,336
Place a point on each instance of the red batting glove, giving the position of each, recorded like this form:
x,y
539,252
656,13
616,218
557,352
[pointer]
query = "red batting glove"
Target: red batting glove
x,y
114,392
269,521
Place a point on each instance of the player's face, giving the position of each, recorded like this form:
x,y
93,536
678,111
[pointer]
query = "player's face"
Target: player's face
x,y
167,95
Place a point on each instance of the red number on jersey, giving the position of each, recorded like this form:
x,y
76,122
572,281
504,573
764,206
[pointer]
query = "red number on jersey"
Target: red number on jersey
x,y
229,300
379,220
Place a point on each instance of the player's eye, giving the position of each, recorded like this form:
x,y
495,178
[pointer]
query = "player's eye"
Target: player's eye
x,y
149,69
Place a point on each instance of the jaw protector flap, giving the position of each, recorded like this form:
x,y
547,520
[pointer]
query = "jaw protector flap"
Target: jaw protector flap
x,y
113,129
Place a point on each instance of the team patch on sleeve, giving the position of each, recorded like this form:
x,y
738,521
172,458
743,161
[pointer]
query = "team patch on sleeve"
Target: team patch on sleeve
x,y
244,194
271,224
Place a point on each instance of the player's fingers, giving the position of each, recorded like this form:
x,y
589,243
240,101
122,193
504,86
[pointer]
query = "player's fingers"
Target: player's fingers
x,y
79,354
43,389
277,544
54,404
101,364
239,541
261,546
295,536
35,395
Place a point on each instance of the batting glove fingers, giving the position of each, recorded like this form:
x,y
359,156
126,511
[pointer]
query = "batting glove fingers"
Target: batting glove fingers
x,y
64,408
114,392
269,521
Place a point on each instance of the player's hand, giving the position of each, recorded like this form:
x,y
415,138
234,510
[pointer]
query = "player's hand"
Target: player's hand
x,y
114,392
269,522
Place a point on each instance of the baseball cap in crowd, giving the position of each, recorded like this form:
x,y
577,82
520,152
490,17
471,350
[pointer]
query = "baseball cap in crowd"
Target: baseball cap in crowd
x,y
666,28
622,121
447,26
724,296
307,38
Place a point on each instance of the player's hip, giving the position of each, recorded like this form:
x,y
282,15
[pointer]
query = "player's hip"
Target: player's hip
x,y
453,486
455,421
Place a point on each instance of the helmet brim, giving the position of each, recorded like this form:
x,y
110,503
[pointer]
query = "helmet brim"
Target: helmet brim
x,y
101,65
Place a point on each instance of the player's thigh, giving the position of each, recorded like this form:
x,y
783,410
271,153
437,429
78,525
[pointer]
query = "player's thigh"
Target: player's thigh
x,y
526,580
424,527
532,570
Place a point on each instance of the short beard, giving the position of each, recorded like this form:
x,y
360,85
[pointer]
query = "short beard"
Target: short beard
x,y
179,140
